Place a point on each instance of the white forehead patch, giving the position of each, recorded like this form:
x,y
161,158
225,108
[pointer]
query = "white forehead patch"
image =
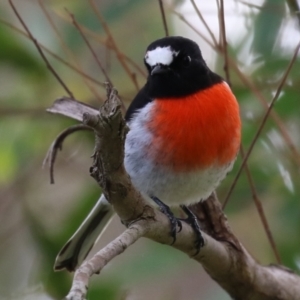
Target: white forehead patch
x,y
160,55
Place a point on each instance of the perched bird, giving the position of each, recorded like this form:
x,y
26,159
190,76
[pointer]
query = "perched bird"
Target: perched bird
x,y
184,136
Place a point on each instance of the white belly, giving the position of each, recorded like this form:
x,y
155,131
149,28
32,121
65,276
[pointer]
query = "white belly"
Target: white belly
x,y
155,180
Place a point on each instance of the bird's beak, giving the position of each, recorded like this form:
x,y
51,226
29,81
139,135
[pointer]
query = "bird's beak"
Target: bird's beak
x,y
159,69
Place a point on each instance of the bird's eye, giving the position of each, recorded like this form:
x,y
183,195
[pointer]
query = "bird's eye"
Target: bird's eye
x,y
186,60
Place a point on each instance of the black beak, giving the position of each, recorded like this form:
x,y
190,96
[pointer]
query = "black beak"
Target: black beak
x,y
159,69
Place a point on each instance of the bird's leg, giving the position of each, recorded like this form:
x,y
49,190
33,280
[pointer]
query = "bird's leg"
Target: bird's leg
x,y
165,209
192,221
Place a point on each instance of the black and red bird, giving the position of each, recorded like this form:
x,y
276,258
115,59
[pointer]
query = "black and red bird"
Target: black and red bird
x,y
184,136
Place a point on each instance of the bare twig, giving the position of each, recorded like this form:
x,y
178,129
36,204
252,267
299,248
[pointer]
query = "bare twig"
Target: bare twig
x,y
204,23
101,259
51,69
67,50
54,55
224,41
104,41
57,145
260,210
89,46
183,19
284,77
113,44
163,16
101,84
251,5
218,9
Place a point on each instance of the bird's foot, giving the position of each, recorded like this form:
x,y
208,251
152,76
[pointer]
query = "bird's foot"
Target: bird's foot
x,y
192,221
165,209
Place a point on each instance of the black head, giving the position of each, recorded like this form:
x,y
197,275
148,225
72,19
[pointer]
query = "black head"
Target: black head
x,y
176,68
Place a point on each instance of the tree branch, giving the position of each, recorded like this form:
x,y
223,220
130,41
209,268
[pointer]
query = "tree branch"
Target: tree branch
x,y
163,16
101,259
223,257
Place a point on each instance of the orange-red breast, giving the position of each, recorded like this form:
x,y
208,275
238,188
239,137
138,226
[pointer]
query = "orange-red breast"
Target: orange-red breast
x,y
184,137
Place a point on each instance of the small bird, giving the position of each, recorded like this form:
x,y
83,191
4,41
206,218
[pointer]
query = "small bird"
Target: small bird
x,y
184,137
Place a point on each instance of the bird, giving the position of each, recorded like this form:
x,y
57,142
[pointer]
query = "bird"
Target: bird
x,y
184,136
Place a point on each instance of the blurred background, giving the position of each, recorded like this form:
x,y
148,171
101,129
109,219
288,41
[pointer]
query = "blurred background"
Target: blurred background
x,y
37,218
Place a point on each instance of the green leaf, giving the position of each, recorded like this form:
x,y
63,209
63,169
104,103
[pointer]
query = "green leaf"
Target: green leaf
x,y
267,25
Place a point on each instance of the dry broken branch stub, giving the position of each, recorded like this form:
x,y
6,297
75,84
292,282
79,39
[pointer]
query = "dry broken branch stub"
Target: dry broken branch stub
x,y
223,257
71,108
57,145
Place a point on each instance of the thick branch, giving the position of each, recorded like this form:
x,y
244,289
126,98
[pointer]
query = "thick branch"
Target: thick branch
x,y
222,256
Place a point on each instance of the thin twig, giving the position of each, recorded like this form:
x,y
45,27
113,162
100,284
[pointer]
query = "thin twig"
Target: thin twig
x,y
55,29
204,22
57,145
183,19
251,5
78,27
67,50
224,41
104,41
113,43
260,209
101,259
57,57
218,10
11,26
163,16
284,77
51,69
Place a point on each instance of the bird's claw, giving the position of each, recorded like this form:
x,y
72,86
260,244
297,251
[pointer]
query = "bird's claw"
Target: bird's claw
x,y
192,221
165,209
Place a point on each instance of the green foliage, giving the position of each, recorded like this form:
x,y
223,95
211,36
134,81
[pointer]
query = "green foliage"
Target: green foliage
x,y
14,53
267,26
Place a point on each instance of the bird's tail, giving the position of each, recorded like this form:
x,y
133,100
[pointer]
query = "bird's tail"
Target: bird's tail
x,y
80,244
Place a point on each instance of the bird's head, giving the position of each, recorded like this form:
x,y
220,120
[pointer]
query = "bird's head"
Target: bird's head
x,y
175,68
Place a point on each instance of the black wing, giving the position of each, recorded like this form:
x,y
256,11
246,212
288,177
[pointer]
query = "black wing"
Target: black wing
x,y
140,100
